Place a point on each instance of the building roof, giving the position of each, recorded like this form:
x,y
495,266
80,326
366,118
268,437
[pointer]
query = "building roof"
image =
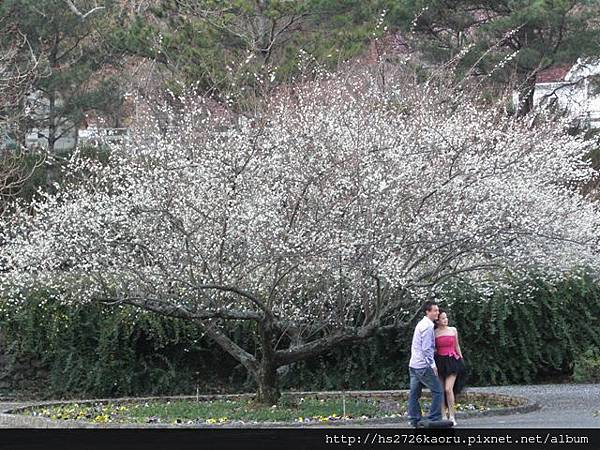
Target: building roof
x,y
553,74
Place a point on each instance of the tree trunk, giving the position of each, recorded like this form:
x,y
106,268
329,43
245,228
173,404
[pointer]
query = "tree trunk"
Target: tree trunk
x,y
52,122
268,383
526,96
54,66
266,375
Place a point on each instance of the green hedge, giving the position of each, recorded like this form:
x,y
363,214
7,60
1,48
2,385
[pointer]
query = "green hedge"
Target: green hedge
x,y
106,351
587,367
511,340
54,350
505,339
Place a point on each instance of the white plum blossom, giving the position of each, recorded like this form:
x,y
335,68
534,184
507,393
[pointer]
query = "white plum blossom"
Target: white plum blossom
x,y
323,217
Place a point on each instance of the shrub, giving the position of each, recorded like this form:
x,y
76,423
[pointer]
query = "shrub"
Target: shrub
x,y
587,367
526,333
102,351
529,332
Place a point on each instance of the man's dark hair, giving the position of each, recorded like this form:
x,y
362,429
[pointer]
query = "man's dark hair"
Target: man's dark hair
x,y
428,305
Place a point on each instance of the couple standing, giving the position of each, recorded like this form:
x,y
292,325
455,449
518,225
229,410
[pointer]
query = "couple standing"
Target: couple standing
x,y
435,362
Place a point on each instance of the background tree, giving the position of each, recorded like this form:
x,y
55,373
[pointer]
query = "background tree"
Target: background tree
x,y
19,68
326,218
521,37
70,37
238,47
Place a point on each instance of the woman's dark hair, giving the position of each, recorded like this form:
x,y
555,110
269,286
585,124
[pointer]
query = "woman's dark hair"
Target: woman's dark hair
x,y
436,321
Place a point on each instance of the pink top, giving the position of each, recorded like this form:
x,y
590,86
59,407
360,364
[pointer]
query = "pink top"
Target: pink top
x,y
446,346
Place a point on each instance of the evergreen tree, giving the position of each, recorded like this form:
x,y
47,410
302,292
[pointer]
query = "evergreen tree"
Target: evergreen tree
x,y
519,37
227,46
70,38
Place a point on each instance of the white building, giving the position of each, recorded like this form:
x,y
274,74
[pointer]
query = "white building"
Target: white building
x,y
69,134
575,90
39,107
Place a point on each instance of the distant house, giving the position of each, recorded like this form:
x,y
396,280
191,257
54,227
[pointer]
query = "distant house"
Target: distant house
x,y
95,136
92,131
573,89
66,132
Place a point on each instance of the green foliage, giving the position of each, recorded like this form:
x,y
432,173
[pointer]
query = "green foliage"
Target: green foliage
x,y
530,332
380,363
42,172
535,34
587,367
73,56
509,338
97,350
23,170
226,46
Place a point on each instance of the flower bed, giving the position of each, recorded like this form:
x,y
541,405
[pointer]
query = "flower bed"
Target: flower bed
x,y
293,408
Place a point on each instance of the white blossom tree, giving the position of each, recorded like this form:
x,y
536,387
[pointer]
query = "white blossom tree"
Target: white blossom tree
x,y
323,219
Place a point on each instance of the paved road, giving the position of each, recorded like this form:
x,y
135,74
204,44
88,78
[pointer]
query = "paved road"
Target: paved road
x,y
562,406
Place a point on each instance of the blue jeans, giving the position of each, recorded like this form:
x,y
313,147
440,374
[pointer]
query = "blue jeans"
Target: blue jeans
x,y
418,379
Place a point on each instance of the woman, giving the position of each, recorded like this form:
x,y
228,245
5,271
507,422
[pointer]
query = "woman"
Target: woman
x,y
449,362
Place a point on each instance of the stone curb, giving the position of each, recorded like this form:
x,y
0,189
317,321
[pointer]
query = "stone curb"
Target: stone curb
x,y
11,417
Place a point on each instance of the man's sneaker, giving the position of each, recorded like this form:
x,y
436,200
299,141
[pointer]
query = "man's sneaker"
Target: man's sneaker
x,y
435,424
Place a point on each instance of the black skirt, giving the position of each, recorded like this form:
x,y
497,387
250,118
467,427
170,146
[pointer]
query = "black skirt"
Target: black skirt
x,y
447,365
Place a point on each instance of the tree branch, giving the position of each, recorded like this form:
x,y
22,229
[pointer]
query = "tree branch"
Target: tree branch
x,y
326,343
83,16
168,309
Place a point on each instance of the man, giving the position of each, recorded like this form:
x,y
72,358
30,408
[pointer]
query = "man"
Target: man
x,y
422,369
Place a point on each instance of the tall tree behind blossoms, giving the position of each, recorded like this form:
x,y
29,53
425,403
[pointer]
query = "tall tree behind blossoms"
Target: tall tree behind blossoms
x,y
329,216
70,39
235,48
522,37
19,69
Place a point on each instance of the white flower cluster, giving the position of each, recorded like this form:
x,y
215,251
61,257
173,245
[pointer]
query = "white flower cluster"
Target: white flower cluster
x,y
329,205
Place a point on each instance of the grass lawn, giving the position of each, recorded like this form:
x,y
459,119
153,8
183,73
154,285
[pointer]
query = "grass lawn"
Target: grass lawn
x,y
289,409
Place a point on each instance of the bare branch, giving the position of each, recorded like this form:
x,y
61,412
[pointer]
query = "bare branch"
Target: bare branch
x,y
83,16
